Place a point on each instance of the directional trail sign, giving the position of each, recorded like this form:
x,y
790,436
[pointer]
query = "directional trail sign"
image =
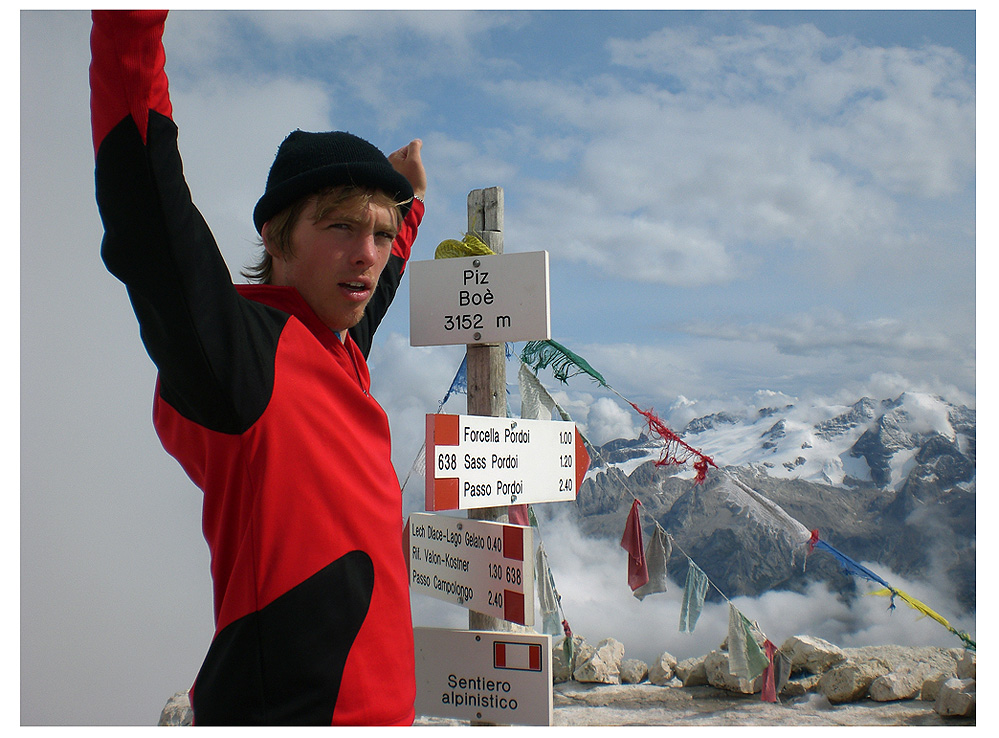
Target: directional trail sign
x,y
479,299
493,677
482,565
476,461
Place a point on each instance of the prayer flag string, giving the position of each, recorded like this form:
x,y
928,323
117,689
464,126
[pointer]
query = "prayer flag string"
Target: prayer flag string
x,y
852,567
565,364
631,541
676,452
917,605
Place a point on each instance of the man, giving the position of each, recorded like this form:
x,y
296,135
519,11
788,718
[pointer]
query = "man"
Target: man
x,y
263,396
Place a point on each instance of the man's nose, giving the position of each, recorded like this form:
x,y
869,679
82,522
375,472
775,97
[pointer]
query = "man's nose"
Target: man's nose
x,y
366,250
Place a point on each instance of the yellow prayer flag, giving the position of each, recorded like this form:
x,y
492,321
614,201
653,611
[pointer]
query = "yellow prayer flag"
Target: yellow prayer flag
x,y
914,604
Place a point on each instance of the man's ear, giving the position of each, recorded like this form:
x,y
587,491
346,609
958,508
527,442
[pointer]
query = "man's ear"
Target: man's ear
x,y
269,246
277,254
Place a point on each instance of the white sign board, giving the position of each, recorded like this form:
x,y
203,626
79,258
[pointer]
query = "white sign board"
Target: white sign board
x,y
479,299
500,678
476,461
482,565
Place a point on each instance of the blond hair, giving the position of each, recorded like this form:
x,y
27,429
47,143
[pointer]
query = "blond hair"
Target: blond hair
x,y
353,200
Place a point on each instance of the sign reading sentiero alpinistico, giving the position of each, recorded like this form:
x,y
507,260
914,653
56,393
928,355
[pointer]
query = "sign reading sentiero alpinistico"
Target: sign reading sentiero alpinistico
x,y
479,564
488,676
476,461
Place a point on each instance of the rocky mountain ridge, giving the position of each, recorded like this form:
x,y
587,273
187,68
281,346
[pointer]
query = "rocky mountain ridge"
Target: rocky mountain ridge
x,y
891,482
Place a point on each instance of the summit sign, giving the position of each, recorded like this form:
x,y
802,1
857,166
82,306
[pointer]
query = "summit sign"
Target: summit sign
x,y
479,299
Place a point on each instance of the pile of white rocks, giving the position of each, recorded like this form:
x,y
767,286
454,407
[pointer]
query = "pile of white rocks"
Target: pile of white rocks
x,y
819,671
880,673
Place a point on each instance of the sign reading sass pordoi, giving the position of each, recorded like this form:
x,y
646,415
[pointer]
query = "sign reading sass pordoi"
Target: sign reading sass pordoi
x,y
476,461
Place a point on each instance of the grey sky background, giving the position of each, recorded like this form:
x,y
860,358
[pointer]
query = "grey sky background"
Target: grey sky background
x,y
733,202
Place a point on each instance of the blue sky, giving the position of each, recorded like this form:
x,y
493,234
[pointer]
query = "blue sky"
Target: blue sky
x,y
792,190
732,202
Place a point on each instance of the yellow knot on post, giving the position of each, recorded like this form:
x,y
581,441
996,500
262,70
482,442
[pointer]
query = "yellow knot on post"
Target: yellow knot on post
x,y
470,245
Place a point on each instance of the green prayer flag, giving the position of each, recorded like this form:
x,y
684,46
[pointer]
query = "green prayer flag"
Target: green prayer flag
x,y
564,363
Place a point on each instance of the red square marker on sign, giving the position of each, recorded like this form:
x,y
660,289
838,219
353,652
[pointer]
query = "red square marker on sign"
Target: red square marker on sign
x,y
518,656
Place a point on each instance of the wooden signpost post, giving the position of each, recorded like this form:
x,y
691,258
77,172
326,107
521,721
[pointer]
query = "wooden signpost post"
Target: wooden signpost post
x,y
483,462
486,363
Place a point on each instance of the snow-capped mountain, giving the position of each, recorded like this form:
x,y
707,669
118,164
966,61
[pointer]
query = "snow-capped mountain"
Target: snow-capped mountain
x,y
890,482
870,441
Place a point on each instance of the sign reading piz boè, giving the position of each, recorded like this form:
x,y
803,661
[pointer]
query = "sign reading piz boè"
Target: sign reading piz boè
x,y
480,299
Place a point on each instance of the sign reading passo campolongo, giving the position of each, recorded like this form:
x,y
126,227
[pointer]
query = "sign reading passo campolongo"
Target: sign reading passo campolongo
x,y
483,565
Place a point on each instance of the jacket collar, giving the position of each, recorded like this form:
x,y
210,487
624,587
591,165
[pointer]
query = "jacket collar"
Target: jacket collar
x,y
289,300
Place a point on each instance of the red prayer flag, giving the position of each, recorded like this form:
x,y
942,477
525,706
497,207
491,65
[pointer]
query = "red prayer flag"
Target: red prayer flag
x,y
631,541
676,452
518,515
769,693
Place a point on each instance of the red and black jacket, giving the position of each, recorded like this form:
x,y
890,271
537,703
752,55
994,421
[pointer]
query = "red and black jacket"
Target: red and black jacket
x,y
269,413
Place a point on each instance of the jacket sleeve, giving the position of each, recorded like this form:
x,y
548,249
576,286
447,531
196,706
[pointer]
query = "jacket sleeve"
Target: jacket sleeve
x,y
388,284
212,348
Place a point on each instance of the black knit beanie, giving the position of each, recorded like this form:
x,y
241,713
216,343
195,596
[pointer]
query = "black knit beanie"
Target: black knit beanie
x,y
308,162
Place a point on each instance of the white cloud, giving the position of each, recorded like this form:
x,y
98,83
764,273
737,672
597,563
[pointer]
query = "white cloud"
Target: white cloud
x,y
888,385
608,420
452,33
926,414
806,347
454,29
774,136
829,330
591,577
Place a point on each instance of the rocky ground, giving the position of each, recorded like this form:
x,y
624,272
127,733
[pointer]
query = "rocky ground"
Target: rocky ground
x,y
825,686
828,686
647,704
577,704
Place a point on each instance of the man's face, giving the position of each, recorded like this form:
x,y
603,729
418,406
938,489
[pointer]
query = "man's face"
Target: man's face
x,y
336,261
